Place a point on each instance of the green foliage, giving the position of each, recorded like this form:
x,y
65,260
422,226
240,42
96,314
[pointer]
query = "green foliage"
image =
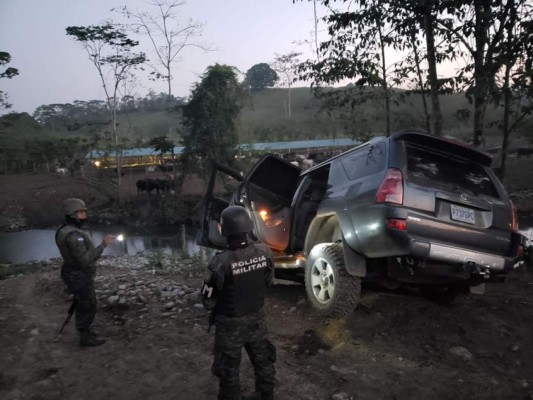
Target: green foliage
x,y
9,73
162,144
155,260
260,76
172,210
210,117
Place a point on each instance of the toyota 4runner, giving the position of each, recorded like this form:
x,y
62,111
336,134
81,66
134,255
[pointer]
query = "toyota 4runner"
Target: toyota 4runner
x,y
411,209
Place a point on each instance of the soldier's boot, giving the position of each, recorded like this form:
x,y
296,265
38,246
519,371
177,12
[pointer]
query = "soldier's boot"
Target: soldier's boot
x,y
229,392
89,339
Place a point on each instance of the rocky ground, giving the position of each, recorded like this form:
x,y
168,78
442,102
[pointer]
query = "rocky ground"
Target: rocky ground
x,y
396,345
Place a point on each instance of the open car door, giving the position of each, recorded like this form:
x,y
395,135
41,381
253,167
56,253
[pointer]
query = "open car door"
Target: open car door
x,y
222,187
267,194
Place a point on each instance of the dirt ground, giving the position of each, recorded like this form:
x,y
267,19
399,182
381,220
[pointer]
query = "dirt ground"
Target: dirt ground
x,y
396,345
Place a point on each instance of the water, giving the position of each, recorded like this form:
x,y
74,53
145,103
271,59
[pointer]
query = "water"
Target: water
x,y
39,244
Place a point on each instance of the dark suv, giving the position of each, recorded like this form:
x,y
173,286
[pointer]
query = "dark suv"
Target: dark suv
x,y
410,209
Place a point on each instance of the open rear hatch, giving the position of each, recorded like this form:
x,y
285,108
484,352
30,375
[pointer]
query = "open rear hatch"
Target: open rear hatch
x,y
454,199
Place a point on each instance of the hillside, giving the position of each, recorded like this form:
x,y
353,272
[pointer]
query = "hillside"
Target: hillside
x,y
265,117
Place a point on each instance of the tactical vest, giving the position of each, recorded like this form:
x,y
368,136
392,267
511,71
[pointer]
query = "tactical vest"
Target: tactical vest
x,y
245,281
69,260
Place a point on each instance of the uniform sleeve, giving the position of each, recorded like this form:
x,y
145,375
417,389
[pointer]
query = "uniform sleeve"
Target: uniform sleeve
x,y
213,284
82,249
269,273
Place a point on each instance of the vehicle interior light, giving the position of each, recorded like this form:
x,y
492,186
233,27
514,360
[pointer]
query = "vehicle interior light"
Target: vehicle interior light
x,y
263,214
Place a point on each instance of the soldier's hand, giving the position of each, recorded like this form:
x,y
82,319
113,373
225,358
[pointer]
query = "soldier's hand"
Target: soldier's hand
x,y
107,240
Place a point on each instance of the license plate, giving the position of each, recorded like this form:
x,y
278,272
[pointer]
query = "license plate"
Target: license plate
x,y
462,214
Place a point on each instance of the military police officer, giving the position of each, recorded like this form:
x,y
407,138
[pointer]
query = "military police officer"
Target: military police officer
x,y
235,291
78,269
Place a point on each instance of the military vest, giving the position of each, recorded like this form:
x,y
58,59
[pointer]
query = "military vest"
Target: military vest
x,y
70,259
245,272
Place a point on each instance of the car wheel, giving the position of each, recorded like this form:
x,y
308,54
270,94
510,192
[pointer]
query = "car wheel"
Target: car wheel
x,y
332,291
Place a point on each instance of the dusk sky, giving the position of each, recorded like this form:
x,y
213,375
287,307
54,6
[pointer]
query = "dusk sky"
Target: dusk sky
x,y
55,69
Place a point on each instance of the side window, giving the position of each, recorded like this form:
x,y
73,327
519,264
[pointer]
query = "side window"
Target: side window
x,y
225,186
365,162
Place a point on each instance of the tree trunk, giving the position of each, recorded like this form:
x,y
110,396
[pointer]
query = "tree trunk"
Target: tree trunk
x,y
289,100
421,83
482,15
384,84
432,68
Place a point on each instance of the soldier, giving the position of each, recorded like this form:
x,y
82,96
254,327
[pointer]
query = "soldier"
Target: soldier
x,y
234,291
78,269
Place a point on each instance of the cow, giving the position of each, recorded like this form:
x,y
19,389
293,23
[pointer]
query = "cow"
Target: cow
x,y
524,151
141,186
164,185
152,184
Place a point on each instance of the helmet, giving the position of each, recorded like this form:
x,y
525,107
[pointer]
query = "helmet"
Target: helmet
x,y
234,220
70,206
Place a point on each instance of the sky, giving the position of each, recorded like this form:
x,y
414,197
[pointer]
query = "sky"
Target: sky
x,y
55,69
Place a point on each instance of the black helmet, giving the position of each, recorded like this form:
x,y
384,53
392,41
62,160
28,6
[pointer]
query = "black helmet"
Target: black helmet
x,y
234,220
71,206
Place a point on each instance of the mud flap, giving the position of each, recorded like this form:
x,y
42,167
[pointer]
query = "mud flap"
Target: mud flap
x,y
355,264
478,289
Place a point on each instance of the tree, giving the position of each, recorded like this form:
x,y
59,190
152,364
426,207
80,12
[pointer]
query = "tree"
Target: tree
x,y
210,117
164,145
514,88
287,66
10,72
479,26
109,49
260,76
168,36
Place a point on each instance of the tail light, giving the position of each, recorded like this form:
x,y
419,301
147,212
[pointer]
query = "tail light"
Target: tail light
x,y
514,221
391,189
397,224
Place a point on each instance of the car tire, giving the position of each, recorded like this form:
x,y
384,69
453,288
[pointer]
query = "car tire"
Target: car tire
x,y
332,291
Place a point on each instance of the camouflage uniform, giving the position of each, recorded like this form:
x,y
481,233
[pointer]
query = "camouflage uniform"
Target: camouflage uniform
x,y
234,291
78,270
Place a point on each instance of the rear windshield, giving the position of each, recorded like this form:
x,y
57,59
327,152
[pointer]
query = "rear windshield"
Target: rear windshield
x,y
447,172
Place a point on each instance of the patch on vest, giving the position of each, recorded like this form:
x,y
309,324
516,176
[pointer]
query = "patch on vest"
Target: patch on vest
x,y
208,291
251,264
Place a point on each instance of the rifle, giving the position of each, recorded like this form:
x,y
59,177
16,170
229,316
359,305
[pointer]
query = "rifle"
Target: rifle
x,y
69,316
212,316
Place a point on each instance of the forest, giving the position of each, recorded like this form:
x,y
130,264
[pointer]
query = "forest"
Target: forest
x,y
352,88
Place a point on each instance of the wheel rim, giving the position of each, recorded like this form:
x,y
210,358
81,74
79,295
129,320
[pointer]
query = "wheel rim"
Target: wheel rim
x,y
322,281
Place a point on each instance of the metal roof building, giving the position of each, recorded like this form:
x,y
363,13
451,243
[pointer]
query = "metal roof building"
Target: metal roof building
x,y
288,146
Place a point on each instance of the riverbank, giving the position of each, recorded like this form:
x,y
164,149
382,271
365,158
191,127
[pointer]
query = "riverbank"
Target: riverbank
x,y
396,345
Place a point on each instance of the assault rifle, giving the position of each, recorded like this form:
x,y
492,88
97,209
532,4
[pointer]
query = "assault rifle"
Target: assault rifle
x,y
71,310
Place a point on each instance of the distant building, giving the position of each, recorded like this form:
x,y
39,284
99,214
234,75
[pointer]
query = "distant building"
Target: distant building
x,y
148,156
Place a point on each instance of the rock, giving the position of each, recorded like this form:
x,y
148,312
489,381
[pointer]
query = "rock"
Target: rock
x,y
461,352
166,314
141,298
168,305
341,396
112,300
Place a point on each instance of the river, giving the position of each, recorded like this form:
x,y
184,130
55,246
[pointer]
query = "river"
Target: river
x,y
39,244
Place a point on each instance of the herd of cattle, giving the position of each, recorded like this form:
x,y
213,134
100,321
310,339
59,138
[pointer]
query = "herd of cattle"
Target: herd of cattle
x,y
149,185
